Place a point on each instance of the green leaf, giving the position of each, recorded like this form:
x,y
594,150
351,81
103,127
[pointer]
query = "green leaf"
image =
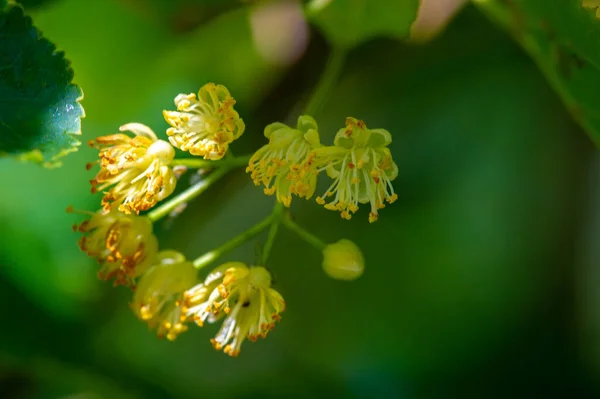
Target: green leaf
x,y
39,106
563,37
32,4
349,22
181,16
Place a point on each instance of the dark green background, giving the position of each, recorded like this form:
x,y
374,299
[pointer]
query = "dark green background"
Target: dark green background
x,y
480,281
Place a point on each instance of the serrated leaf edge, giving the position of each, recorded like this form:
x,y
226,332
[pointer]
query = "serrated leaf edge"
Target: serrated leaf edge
x,y
36,155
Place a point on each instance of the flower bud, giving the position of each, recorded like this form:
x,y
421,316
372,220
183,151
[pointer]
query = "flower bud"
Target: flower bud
x,y
343,260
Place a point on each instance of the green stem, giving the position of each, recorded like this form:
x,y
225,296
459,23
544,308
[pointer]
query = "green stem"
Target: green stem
x,y
187,195
330,75
222,167
303,233
235,242
276,216
231,162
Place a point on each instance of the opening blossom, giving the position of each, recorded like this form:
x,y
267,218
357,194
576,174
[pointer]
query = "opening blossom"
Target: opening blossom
x,y
135,168
240,295
157,298
361,167
123,244
206,124
283,166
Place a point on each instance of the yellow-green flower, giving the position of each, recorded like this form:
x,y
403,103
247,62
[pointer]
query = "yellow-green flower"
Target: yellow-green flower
x,y
283,166
361,167
135,168
240,295
123,244
206,124
157,298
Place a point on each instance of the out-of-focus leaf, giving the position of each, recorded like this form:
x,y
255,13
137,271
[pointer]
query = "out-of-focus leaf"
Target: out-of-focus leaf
x,y
40,111
181,16
350,22
563,38
433,16
232,61
31,4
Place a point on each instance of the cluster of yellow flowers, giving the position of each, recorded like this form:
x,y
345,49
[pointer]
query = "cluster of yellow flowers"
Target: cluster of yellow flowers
x,y
139,170
135,174
358,162
168,297
136,170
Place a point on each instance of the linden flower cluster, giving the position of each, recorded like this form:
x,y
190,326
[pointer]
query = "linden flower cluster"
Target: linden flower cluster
x,y
137,170
359,163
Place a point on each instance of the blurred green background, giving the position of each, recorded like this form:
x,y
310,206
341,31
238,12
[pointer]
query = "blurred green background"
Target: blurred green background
x,y
481,281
